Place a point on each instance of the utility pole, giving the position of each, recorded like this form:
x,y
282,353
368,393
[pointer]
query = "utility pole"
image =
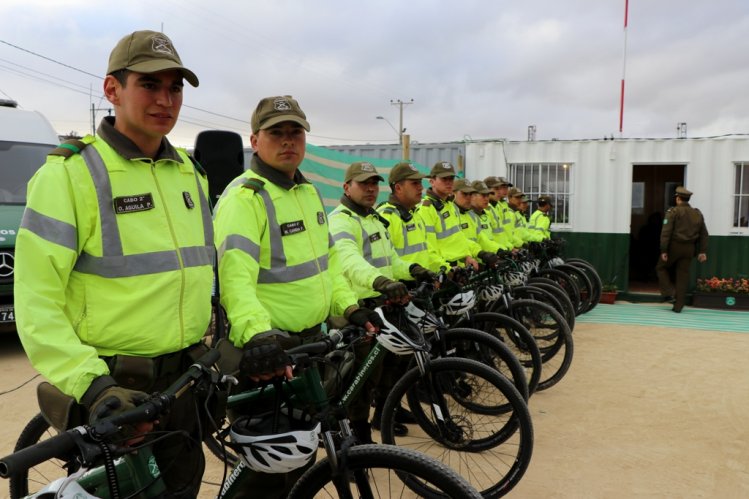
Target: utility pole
x,y
400,104
93,116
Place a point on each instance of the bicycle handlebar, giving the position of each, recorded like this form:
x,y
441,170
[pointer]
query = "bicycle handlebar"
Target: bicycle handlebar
x,y
63,445
326,344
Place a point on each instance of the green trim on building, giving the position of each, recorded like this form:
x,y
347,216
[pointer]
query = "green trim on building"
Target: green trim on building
x,y
727,256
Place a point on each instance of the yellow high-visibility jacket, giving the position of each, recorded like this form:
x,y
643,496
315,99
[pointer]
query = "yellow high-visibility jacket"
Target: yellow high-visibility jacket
x,y
114,256
409,237
441,221
275,266
362,243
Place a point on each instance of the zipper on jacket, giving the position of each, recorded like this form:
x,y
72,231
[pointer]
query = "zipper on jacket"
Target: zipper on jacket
x,y
179,257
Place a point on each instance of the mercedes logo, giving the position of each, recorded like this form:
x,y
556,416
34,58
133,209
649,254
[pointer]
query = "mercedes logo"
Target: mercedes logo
x,y
6,264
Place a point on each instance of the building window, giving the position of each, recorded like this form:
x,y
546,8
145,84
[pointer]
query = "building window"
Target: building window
x,y
741,196
552,179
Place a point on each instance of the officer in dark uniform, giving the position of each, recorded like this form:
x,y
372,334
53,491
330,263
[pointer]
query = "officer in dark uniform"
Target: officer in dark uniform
x,y
683,233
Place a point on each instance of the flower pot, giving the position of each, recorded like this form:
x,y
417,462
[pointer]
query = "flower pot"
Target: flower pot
x,y
726,301
608,297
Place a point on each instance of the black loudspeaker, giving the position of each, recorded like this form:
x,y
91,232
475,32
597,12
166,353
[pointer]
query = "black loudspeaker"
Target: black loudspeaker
x,y
221,154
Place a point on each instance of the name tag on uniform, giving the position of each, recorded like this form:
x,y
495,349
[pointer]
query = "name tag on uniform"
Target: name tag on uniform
x,y
320,218
290,228
410,227
446,214
484,226
464,225
132,204
375,237
188,200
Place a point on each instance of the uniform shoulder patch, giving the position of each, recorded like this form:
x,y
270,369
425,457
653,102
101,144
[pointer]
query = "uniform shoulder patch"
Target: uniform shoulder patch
x,y
254,184
68,148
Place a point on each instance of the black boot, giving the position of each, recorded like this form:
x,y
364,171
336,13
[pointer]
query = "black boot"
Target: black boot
x,y
362,431
403,415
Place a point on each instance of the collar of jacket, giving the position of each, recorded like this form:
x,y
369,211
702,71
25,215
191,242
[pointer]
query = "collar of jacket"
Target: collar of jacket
x,y
478,212
463,211
127,148
263,169
404,213
357,208
493,202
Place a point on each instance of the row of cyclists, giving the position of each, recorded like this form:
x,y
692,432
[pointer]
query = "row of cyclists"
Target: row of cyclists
x,y
115,257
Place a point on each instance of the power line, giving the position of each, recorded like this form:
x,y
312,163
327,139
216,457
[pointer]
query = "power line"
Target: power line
x,y
51,60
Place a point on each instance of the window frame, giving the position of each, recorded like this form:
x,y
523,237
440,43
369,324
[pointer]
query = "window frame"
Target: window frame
x,y
517,173
739,197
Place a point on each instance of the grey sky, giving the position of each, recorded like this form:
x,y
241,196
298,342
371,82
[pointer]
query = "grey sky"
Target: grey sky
x,y
475,69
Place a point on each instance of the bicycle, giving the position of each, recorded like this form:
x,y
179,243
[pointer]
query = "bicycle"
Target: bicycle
x,y
135,474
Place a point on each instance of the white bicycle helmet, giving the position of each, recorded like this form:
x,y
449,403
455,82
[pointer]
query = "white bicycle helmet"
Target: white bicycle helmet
x,y
492,292
289,448
397,340
553,262
460,303
515,278
425,321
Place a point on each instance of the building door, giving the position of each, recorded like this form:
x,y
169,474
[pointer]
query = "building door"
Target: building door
x,y
653,187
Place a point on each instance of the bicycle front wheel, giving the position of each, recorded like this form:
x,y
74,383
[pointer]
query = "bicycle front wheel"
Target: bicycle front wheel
x,y
469,417
36,478
382,471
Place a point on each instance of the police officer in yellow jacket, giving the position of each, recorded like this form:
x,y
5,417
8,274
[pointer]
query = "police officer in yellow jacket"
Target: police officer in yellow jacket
x,y
468,220
540,222
407,231
484,217
505,218
520,233
279,279
115,257
373,267
441,219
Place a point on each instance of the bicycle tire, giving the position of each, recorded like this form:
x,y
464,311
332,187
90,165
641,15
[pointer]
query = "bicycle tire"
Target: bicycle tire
x,y
566,283
592,274
393,468
488,350
38,477
545,294
515,336
583,284
552,335
564,300
464,435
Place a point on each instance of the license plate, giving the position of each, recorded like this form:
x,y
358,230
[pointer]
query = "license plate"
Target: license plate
x,y
7,314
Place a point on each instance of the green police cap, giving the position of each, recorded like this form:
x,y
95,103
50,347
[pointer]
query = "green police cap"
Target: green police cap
x,y
682,192
442,169
274,110
544,199
148,52
480,187
514,192
404,171
462,185
496,182
361,171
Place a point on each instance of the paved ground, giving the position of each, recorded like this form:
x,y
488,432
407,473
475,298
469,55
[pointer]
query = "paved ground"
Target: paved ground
x,y
645,411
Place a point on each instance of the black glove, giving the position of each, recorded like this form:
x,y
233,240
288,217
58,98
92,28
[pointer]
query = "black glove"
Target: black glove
x,y
390,288
489,258
113,400
361,316
263,354
422,274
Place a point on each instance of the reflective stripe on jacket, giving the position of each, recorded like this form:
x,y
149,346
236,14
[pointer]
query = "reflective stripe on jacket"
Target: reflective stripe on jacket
x,y
275,268
114,256
363,245
409,238
443,230
540,222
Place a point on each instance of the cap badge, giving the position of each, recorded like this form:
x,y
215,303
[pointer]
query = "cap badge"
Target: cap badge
x,y
162,45
281,105
367,167
412,168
